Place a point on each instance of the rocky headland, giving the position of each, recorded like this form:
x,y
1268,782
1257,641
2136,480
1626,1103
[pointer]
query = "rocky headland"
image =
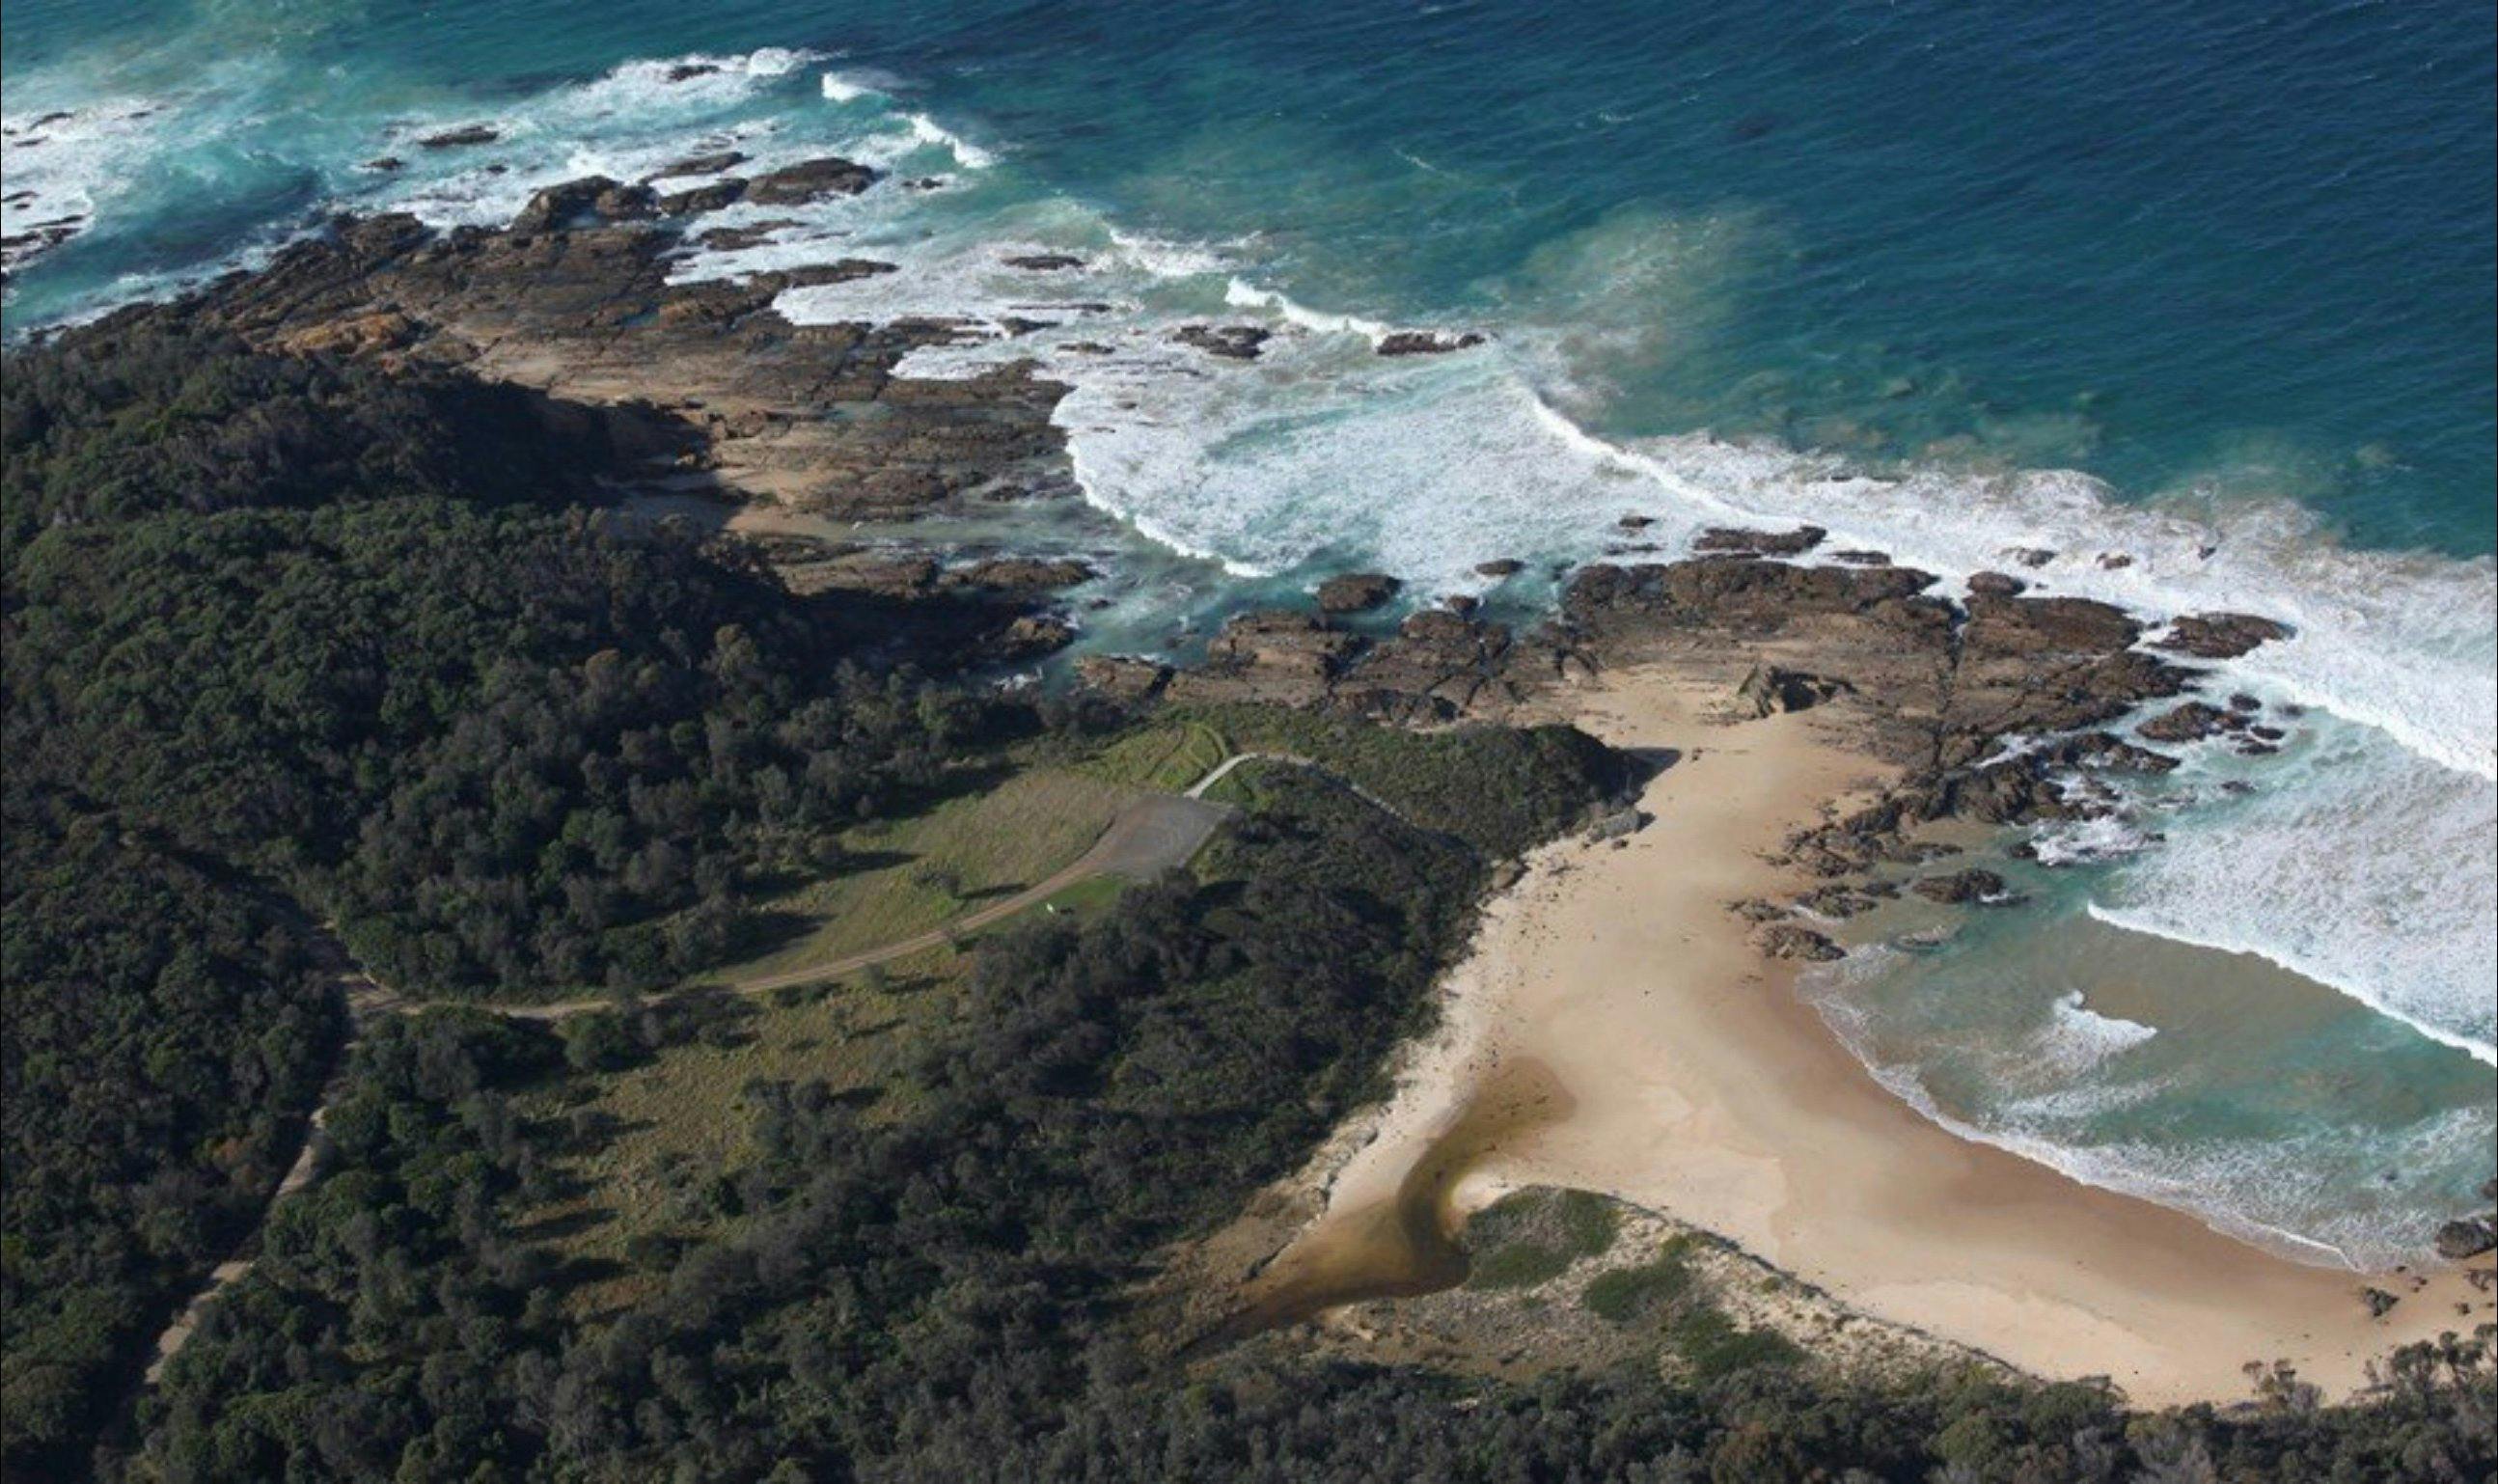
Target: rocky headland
x,y
1992,705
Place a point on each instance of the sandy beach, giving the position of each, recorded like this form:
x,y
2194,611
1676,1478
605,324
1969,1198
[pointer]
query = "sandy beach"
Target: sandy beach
x,y
1613,1030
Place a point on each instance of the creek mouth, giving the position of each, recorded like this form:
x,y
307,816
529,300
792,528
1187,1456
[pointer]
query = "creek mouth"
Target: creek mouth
x,y
1408,1245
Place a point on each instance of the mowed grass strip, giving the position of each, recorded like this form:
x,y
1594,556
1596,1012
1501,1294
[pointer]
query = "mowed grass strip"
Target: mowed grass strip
x,y
1167,759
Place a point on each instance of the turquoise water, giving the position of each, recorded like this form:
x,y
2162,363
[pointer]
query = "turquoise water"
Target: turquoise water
x,y
2207,285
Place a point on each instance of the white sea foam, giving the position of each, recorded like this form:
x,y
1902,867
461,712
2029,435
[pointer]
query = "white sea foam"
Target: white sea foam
x,y
1321,452
2237,1186
60,169
928,131
2078,1038
2351,863
2084,842
1241,294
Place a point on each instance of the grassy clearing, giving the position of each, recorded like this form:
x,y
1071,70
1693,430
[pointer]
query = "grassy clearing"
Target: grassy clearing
x,y
653,1149
1085,898
1534,1235
922,871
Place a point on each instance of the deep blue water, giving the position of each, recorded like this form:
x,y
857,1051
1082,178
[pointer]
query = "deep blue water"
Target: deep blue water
x,y
2210,285
2241,247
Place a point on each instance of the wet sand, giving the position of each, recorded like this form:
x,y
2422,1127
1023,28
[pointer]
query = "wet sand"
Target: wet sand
x,y
1688,1077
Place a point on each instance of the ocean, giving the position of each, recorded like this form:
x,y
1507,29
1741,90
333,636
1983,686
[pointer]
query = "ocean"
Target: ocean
x,y
2209,287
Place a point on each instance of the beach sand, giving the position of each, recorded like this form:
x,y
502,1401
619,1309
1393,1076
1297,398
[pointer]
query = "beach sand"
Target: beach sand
x,y
1675,1067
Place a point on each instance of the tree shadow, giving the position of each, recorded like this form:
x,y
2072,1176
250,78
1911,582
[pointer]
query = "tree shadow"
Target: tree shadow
x,y
569,1224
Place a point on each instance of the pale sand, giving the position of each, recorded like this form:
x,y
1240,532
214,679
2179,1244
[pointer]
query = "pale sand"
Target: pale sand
x,y
1692,1081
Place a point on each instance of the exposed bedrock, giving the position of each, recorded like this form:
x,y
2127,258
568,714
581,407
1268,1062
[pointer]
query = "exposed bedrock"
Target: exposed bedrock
x,y
574,300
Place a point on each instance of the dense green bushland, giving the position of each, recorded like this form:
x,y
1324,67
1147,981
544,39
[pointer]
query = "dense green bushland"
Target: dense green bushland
x,y
503,747
951,1296
292,641
289,642
165,1028
142,415
1499,788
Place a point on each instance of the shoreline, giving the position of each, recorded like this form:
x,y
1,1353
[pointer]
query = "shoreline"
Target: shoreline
x,y
703,387
1685,1075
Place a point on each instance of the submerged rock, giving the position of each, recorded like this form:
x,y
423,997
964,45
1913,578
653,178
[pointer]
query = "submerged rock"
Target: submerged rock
x,y
700,165
453,138
1044,262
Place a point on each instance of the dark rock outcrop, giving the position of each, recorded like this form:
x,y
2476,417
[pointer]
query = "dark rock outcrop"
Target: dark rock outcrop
x,y
696,199
1232,343
1044,262
1838,901
1425,342
2220,635
1791,939
1960,888
576,203
1022,574
1122,677
2192,721
1357,592
1995,585
2469,1238
811,181
1743,541
1768,690
1499,567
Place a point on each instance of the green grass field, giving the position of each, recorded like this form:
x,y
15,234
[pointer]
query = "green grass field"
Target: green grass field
x,y
664,1137
930,868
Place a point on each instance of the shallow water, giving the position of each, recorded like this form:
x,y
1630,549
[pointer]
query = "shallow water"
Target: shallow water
x,y
2211,291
